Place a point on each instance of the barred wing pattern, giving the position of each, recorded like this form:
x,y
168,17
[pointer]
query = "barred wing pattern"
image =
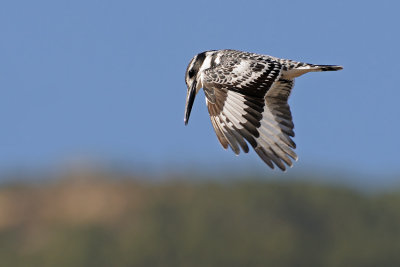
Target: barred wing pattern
x,y
247,101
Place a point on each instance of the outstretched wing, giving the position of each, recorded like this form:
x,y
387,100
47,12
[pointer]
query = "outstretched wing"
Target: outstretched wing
x,y
247,101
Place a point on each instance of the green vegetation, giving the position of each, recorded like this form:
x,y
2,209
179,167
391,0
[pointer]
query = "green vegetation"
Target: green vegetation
x,y
122,222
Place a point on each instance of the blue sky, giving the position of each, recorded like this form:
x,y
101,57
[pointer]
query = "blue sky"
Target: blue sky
x,y
104,80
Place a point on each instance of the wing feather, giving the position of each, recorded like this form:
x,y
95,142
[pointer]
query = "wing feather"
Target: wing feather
x,y
233,143
252,107
221,137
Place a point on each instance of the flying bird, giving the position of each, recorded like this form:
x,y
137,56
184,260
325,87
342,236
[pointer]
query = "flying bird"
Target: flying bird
x,y
247,98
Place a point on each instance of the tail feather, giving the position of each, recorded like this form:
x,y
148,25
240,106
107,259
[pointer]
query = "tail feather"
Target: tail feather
x,y
302,68
325,67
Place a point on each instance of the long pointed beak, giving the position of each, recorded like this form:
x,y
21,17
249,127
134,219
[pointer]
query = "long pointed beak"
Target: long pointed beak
x,y
191,94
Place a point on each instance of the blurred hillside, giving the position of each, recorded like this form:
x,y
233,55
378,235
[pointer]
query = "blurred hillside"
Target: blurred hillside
x,y
96,220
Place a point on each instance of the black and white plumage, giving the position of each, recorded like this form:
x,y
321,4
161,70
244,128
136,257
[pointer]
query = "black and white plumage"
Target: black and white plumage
x,y
247,98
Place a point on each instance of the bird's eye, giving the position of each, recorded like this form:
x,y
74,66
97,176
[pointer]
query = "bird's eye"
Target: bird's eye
x,y
191,73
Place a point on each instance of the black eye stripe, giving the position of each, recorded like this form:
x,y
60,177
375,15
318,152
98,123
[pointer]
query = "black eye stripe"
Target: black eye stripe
x,y
198,62
200,59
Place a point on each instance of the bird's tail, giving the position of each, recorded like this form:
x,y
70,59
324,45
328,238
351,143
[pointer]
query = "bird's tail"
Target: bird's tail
x,y
325,67
302,68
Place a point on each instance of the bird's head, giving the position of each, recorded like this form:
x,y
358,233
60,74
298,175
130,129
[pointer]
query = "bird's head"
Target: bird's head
x,y
193,82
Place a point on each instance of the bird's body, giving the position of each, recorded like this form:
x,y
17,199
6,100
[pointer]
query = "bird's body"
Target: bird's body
x,y
246,96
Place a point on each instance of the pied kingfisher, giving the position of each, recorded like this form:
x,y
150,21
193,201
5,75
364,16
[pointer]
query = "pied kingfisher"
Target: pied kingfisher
x,y
247,98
